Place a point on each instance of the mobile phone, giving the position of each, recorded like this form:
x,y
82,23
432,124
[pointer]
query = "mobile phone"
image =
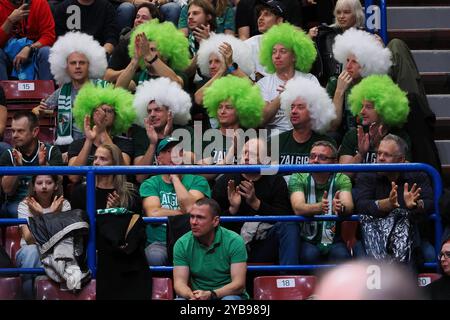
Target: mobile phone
x,y
27,3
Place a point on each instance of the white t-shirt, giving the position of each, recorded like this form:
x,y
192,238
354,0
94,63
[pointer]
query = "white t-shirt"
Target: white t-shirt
x,y
255,43
23,212
269,92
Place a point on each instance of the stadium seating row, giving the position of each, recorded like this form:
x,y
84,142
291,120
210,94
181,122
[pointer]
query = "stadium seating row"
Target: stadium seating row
x,y
295,287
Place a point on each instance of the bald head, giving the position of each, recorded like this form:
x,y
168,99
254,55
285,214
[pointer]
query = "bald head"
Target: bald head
x,y
368,280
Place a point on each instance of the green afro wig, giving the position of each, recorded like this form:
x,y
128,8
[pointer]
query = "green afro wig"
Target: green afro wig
x,y
171,43
292,38
90,97
244,96
390,101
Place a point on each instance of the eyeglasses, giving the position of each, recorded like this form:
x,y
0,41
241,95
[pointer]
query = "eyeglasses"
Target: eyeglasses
x,y
387,155
320,157
110,111
445,254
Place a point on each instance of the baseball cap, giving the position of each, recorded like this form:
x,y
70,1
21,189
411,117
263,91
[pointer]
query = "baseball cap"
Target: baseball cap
x,y
165,143
277,6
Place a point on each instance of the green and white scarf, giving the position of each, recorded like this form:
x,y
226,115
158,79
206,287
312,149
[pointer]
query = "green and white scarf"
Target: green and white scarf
x,y
65,117
310,230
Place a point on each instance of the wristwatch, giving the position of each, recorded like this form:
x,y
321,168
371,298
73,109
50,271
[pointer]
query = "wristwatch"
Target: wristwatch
x,y
232,68
213,295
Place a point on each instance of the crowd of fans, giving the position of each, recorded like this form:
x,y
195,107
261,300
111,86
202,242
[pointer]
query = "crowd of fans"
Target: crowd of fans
x,y
155,82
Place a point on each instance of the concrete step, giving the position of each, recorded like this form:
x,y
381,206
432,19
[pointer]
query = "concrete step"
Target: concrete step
x,y
421,39
440,104
418,17
436,82
444,151
432,60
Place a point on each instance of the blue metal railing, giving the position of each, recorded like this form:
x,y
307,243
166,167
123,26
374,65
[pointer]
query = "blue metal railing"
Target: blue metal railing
x,y
370,10
91,172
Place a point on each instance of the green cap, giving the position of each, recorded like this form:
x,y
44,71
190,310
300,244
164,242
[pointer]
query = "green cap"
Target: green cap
x,y
165,143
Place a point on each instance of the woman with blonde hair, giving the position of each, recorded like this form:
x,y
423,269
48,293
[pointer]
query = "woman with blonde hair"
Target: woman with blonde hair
x,y
122,270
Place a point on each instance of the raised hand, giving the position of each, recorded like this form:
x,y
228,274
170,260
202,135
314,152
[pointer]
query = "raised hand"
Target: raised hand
x,y
226,51
57,204
325,204
19,13
247,190
151,132
17,157
169,125
337,203
90,133
41,108
201,32
42,154
363,142
393,195
34,206
234,197
376,132
343,82
411,196
100,120
113,200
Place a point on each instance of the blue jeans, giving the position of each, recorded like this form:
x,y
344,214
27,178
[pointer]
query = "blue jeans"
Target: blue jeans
x,y
42,64
310,253
125,15
283,238
9,209
28,257
156,254
171,12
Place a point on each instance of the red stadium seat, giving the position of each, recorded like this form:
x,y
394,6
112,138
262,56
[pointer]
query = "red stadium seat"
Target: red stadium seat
x,y
425,279
162,289
348,233
25,95
10,288
283,287
12,241
47,289
26,91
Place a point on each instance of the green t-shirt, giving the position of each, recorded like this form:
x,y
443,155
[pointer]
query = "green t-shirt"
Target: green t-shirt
x,y
292,152
210,267
349,145
302,182
156,186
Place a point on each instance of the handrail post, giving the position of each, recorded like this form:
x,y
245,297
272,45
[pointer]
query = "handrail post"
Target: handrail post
x,y
90,201
383,10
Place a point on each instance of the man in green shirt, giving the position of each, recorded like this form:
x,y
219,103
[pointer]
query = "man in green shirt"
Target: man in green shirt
x,y
168,195
210,262
321,193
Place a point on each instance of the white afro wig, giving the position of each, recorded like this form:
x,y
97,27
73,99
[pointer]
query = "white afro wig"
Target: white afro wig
x,y
242,53
165,93
77,42
321,108
370,53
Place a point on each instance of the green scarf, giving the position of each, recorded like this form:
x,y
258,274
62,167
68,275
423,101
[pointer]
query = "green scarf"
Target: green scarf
x,y
64,117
